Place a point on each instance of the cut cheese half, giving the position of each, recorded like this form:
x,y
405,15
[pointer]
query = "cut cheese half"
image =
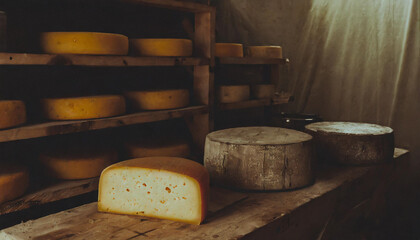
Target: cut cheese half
x,y
14,180
160,187
229,50
261,91
158,99
233,93
265,52
154,148
161,47
83,107
12,113
84,43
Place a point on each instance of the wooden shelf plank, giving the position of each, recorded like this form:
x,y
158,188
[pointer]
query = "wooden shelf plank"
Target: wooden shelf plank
x,y
174,4
251,61
59,191
64,127
256,103
97,61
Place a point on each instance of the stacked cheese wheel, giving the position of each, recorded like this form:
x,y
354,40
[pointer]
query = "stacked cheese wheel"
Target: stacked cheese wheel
x,y
265,51
153,146
158,99
14,180
233,93
229,50
161,47
12,113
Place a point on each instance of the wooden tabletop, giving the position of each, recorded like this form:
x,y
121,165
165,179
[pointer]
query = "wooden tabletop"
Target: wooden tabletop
x,y
338,195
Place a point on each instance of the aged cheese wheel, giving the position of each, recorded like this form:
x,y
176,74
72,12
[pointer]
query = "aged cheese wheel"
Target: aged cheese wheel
x,y
161,47
12,113
157,147
262,91
352,143
158,99
233,93
83,107
84,43
14,180
161,187
259,158
265,52
229,50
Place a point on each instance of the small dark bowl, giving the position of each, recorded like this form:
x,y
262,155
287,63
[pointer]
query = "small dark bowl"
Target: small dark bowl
x,y
296,121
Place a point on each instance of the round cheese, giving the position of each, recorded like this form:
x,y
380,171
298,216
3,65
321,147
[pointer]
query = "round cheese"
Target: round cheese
x,y
154,148
12,113
84,43
265,51
259,158
262,91
161,187
83,107
233,93
161,47
229,50
158,99
352,143
14,181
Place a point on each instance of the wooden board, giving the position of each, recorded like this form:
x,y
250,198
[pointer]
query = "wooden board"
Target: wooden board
x,y
97,61
64,127
251,61
338,192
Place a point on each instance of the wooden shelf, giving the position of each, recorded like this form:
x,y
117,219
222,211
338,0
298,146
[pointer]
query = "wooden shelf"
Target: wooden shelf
x,y
174,4
256,103
97,61
251,61
64,127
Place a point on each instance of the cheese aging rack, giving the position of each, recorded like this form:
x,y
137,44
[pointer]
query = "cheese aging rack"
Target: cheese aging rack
x,y
198,115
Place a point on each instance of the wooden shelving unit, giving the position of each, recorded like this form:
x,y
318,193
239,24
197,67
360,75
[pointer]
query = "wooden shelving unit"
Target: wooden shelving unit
x,y
198,116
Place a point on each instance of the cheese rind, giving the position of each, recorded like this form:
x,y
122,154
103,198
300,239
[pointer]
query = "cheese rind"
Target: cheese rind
x,y
158,99
84,43
160,187
161,47
265,51
14,180
12,113
229,50
233,93
138,149
83,107
261,91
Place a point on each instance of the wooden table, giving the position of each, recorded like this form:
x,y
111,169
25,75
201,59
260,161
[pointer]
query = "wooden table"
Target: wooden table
x,y
341,196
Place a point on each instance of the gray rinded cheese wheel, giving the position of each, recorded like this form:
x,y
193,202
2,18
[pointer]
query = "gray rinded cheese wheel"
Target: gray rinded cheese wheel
x,y
259,158
352,143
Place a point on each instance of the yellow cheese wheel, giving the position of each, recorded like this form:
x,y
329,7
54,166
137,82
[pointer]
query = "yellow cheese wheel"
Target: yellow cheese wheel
x,y
76,162
12,113
158,147
158,99
84,43
233,93
262,91
161,47
161,187
265,51
229,50
83,107
14,180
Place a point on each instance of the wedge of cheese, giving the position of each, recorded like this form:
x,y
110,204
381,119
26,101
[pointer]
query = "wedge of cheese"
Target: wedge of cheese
x,y
233,93
158,99
82,107
160,187
14,180
161,47
265,51
162,147
84,43
229,50
12,113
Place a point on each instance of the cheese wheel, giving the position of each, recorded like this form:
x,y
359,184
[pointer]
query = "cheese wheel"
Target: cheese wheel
x,y
352,143
83,107
154,148
158,99
12,113
229,50
77,163
161,47
259,158
265,52
262,91
161,187
84,43
14,181
233,93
